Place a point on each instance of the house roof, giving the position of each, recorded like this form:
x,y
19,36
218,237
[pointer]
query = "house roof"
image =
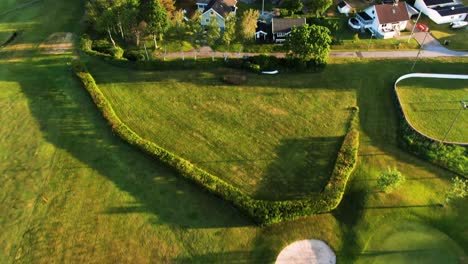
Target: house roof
x,y
203,1
262,26
411,10
222,7
451,10
342,4
436,2
285,24
392,13
364,16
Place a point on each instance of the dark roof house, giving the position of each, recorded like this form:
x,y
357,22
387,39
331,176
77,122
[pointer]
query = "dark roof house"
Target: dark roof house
x,y
281,27
222,7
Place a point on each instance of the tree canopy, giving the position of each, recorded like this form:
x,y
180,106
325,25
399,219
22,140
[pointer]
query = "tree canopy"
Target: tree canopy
x,y
155,16
248,24
309,42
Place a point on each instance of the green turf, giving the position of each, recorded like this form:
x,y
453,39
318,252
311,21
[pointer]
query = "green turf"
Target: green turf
x,y
410,242
72,192
274,137
433,107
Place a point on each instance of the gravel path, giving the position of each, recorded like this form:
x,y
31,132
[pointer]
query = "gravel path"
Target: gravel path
x,y
307,251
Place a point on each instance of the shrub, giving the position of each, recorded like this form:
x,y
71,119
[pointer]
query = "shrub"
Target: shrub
x,y
356,37
86,43
116,52
265,62
134,55
390,180
458,190
102,46
255,68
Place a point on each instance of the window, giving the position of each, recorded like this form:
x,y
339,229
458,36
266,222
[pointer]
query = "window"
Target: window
x,y
212,13
207,20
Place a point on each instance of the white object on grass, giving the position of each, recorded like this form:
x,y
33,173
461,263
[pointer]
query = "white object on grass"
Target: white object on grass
x,y
307,251
270,72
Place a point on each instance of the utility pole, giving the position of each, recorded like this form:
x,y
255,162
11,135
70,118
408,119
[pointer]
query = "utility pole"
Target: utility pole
x,y
263,7
414,26
419,52
368,45
455,119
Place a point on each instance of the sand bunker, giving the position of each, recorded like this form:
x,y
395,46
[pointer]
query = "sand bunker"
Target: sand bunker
x,y
307,251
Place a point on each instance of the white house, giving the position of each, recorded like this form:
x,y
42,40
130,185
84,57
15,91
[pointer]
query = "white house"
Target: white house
x,y
385,20
344,7
219,10
281,27
442,11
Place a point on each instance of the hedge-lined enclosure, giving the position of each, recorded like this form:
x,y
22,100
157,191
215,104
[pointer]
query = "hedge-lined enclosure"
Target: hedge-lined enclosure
x,y
447,155
261,211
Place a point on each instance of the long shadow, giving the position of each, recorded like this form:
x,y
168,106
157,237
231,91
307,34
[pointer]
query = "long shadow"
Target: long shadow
x,y
349,213
404,206
302,167
70,121
224,257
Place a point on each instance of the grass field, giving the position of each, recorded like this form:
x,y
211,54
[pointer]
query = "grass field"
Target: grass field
x,y
274,137
73,192
433,105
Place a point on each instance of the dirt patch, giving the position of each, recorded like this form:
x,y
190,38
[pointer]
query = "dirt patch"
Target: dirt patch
x,y
307,251
58,43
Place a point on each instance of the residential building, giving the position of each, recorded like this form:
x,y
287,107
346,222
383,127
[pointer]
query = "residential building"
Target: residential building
x,y
281,27
219,10
442,11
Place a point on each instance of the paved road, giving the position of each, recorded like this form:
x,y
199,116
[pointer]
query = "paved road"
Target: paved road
x,y
431,49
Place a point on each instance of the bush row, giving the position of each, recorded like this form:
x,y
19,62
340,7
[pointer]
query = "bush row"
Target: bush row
x,y
448,156
261,211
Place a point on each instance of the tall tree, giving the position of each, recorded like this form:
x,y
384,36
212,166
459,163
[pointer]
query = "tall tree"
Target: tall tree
x,y
229,30
213,32
195,30
178,28
169,6
309,42
105,22
293,6
319,6
248,24
155,17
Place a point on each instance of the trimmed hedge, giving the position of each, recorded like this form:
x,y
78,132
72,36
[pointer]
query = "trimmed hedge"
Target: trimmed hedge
x,y
261,211
448,156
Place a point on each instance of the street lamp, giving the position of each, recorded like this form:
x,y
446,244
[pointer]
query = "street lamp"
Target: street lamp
x,y
419,52
368,45
414,26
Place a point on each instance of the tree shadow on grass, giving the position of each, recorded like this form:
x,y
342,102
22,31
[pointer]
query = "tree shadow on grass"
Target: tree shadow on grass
x,y
302,167
349,213
69,120
224,257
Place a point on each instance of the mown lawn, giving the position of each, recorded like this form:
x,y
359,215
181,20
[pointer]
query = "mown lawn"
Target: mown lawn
x,y
433,106
73,192
275,137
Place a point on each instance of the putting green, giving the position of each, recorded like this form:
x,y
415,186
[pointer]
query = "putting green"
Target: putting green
x,y
411,242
